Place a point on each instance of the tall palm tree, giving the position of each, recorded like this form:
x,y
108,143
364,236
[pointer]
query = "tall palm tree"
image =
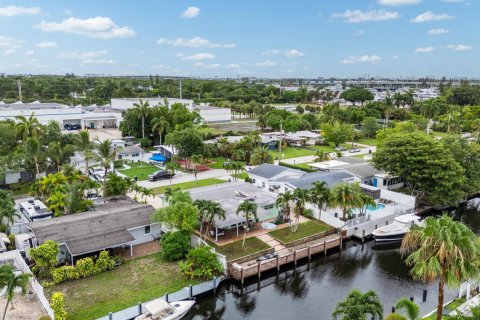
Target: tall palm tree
x,y
357,306
442,248
105,154
8,215
213,210
300,198
169,193
84,145
238,154
10,281
261,155
346,196
411,308
320,195
202,206
256,138
27,127
57,153
283,201
249,211
74,200
146,192
196,159
142,109
34,150
161,126
237,167
366,201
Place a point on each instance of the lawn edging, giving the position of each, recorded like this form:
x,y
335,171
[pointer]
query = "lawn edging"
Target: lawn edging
x,y
306,239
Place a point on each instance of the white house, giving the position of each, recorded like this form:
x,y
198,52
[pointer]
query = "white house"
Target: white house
x,y
265,173
131,153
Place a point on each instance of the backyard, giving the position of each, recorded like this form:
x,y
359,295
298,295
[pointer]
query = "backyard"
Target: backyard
x,y
368,141
235,250
217,162
141,170
305,229
189,185
137,280
292,152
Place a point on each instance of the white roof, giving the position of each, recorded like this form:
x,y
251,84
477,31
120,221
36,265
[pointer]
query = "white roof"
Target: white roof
x,y
157,306
328,164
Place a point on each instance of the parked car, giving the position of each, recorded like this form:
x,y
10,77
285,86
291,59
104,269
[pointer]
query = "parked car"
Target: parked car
x,y
354,150
340,148
159,175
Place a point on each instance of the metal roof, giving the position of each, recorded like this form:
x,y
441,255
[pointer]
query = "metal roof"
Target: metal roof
x,y
269,171
105,227
307,181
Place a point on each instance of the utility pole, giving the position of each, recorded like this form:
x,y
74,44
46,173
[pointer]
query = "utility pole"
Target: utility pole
x,y
180,88
280,144
19,85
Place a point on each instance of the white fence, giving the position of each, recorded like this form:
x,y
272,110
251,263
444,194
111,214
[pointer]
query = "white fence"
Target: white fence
x,y
14,257
196,241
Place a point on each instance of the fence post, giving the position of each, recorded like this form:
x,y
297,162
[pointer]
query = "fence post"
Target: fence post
x,y
139,308
278,264
259,269
110,316
190,291
241,275
325,247
165,297
295,258
309,254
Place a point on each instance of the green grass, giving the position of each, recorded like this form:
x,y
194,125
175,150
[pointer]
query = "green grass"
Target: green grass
x,y
242,175
368,141
218,162
138,280
18,189
305,229
189,185
323,148
292,152
139,170
212,131
451,306
235,250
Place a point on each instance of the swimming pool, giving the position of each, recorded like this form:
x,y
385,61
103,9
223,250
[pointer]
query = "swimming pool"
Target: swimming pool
x,y
379,206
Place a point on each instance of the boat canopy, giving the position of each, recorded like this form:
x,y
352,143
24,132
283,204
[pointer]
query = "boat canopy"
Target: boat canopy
x,y
158,157
157,306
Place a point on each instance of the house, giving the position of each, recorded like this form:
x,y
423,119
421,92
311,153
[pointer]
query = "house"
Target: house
x,y
117,223
167,151
310,138
130,153
265,173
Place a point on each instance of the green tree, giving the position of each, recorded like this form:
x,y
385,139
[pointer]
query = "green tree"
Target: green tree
x,y
346,196
58,306
115,185
357,95
161,126
33,150
8,213
321,195
442,249
188,141
395,316
211,210
284,201
409,307
369,126
181,214
337,133
10,281
105,154
261,155
59,153
45,257
300,198
249,211
425,165
142,110
85,146
175,245
357,306
27,127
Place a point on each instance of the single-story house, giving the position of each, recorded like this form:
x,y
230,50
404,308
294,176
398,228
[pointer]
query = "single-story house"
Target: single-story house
x,y
130,153
119,222
266,172
166,150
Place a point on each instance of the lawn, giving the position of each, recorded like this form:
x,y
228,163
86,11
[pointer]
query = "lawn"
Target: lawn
x,y
368,141
323,148
212,131
235,250
305,229
189,185
218,162
18,189
451,306
138,280
292,152
140,170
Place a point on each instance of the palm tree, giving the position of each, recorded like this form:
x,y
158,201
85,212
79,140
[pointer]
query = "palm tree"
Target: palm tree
x,y
443,249
283,201
238,154
33,149
74,200
27,127
57,153
84,145
161,126
142,109
321,155
201,205
105,153
261,155
146,192
320,195
171,166
8,215
256,138
411,308
10,281
346,196
357,306
169,193
213,210
300,198
237,167
196,159
366,201
249,210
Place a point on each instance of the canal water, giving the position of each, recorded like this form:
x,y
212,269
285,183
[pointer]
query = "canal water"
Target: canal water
x,y
312,290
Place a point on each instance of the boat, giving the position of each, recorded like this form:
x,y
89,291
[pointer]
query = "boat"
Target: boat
x,y
159,309
397,229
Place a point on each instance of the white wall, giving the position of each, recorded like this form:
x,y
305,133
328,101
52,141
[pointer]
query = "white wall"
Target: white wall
x,y
141,237
259,181
124,104
12,177
408,201
215,115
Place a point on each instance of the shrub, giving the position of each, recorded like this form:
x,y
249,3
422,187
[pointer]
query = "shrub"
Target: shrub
x,y
104,262
200,262
175,245
118,164
45,257
58,306
11,245
395,316
64,273
48,284
86,267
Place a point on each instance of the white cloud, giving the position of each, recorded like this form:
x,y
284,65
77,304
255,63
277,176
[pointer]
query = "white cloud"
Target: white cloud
x,y
99,61
357,16
266,63
205,65
459,47
430,16
98,27
11,11
359,32
395,57
232,66
190,12
292,53
47,44
424,49
196,42
398,2
29,53
10,42
9,52
366,58
436,32
90,57
197,57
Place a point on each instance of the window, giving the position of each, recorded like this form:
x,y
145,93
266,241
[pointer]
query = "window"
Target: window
x,y
135,154
253,180
147,229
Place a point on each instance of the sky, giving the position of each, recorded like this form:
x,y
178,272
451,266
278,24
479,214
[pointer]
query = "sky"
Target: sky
x,y
242,38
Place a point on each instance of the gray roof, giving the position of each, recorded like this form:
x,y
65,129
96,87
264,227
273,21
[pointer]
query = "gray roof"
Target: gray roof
x,y
350,160
230,195
362,170
268,171
331,178
91,231
130,150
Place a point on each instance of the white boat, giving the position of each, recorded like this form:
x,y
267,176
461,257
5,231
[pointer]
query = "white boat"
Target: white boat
x,y
159,309
397,229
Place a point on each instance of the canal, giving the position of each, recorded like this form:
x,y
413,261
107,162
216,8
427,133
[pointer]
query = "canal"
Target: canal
x,y
312,290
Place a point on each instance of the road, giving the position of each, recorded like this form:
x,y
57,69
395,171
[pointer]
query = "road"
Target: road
x,y
186,177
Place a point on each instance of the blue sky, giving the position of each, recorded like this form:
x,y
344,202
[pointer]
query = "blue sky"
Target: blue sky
x,y
267,38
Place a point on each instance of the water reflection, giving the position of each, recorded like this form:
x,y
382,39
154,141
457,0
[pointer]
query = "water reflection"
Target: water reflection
x,y
245,303
296,286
